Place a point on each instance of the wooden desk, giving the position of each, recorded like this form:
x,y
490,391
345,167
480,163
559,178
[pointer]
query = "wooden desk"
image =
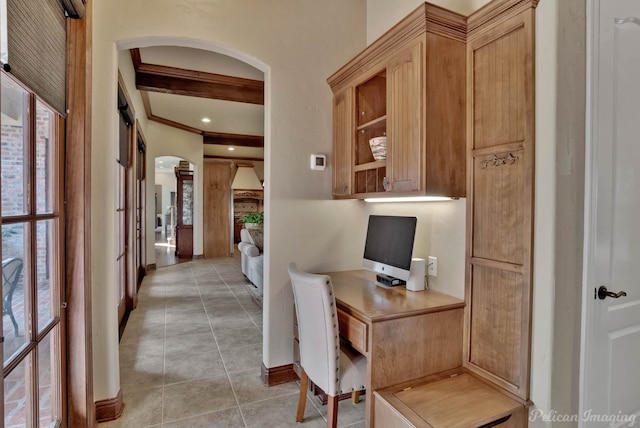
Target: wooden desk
x,y
405,335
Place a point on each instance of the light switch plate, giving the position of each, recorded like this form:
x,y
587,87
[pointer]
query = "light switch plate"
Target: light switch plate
x,y
432,266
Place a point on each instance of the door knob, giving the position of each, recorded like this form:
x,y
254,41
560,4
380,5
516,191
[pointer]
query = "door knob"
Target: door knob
x,y
603,293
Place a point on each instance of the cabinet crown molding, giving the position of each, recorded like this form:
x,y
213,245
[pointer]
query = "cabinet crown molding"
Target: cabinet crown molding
x,y
435,19
496,11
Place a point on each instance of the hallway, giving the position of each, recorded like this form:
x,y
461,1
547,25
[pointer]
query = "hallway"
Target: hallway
x,y
191,354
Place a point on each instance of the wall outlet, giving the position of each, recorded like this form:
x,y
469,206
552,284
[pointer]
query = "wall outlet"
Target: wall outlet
x,y
432,266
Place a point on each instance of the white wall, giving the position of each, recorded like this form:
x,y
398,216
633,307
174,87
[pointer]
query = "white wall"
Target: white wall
x,y
384,14
168,182
298,45
440,232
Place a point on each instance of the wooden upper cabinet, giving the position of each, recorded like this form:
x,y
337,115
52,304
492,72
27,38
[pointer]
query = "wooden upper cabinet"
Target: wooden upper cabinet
x,y
405,148
342,133
408,86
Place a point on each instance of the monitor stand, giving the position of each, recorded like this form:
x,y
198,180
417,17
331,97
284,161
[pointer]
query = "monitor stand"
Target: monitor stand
x,y
389,281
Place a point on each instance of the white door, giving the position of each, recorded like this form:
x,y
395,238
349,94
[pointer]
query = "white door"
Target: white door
x,y
610,379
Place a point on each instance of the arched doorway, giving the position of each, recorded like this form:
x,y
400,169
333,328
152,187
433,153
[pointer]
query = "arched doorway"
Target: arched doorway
x,y
169,171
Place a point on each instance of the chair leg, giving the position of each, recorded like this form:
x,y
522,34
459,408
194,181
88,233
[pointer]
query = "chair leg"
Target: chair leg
x,y
302,399
355,397
332,414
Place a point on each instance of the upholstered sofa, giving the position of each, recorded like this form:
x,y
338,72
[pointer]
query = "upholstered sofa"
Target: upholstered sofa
x,y
250,247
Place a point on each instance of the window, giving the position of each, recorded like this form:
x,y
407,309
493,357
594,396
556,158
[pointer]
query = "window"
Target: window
x,y
32,257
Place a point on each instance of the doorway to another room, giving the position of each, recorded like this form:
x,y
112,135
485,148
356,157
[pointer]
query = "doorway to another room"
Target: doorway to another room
x,y
174,210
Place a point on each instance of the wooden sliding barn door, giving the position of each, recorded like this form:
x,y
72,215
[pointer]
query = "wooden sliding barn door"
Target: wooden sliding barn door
x,y
500,197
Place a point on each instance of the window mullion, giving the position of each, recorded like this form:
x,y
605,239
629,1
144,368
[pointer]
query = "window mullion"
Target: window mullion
x,y
32,391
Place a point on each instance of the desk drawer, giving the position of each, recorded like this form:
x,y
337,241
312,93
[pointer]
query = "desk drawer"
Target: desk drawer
x,y
354,330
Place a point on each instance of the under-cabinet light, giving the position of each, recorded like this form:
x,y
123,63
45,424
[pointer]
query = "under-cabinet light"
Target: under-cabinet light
x,y
411,199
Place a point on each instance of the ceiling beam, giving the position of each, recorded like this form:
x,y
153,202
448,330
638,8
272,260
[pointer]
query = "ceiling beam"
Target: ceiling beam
x,y
234,158
178,81
174,124
240,140
135,57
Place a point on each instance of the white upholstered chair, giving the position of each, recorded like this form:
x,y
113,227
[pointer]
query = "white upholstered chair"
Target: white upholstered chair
x,y
336,371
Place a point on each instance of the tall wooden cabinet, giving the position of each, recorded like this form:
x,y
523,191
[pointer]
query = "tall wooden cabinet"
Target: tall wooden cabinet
x,y
500,203
396,89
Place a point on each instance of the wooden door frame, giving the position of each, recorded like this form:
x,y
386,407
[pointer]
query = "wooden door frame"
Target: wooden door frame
x,y
80,399
131,286
141,198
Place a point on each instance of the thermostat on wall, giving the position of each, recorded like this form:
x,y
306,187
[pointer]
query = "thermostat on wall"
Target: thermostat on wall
x,y
318,162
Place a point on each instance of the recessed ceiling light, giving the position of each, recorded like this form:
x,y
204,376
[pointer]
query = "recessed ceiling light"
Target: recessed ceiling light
x,y
231,149
206,120
160,161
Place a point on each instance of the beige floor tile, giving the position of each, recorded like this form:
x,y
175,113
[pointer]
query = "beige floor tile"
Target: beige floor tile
x,y
348,413
229,418
228,339
143,408
196,397
248,387
190,344
243,358
280,412
190,366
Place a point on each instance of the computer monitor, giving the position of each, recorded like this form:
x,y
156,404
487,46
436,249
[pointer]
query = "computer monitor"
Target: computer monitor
x,y
389,245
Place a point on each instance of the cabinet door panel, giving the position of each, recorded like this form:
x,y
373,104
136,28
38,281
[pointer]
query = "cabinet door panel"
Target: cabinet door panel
x,y
405,77
342,135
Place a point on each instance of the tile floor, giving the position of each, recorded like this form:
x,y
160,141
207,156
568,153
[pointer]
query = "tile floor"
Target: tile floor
x,y
191,354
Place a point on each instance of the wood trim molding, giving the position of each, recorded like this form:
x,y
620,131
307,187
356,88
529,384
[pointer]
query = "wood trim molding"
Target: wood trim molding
x,y
427,16
146,102
151,267
240,140
494,12
231,158
173,124
172,80
135,58
198,256
110,409
80,405
277,375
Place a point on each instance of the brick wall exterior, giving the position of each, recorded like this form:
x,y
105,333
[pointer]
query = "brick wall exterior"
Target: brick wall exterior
x,y
15,188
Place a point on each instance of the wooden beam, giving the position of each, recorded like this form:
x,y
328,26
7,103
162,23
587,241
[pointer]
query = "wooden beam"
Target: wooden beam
x,y
240,140
174,124
135,57
146,102
234,158
178,81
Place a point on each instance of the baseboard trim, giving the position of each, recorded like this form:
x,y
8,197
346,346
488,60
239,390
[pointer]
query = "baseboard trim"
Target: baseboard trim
x,y
151,266
109,409
198,256
277,375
